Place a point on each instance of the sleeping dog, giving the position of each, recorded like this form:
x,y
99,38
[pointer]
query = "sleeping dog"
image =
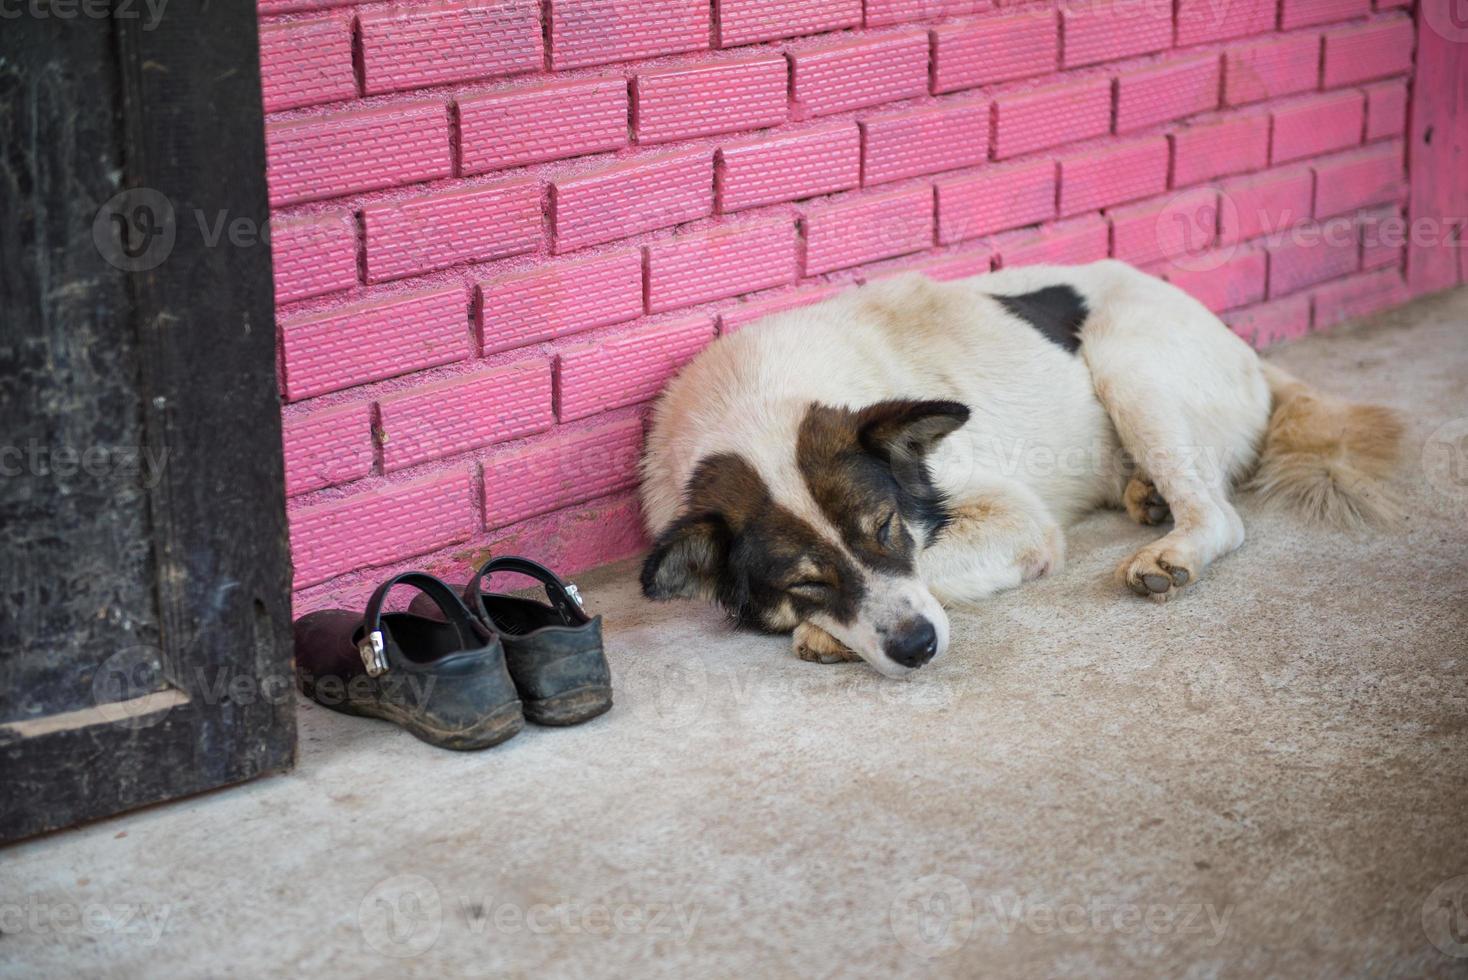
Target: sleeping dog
x,y
845,470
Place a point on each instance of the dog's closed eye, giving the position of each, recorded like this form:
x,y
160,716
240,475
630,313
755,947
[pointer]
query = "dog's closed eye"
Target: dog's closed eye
x,y
888,530
810,588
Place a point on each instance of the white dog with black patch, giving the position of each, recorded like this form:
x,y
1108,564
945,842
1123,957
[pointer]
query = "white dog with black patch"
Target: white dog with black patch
x,y
843,470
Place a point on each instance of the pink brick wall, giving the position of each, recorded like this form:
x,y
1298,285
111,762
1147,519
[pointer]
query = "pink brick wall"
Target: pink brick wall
x,y
501,225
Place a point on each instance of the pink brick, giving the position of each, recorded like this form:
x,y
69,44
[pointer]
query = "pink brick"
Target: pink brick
x,y
1183,224
924,141
1073,242
369,341
627,369
1383,237
631,197
327,447
429,44
1274,68
546,122
459,414
380,526
717,97
1302,13
1114,174
789,167
437,230
305,62
558,298
561,470
1318,125
1386,110
1096,32
723,261
1201,21
1306,256
1375,175
1358,296
736,318
883,12
1358,54
957,265
561,541
268,8
594,32
1266,324
1050,116
994,49
995,199
313,255
1202,151
348,152
746,21
1170,91
866,228
1263,204
1223,284
838,77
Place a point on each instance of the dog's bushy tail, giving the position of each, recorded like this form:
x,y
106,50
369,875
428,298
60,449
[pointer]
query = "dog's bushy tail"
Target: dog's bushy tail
x,y
1328,459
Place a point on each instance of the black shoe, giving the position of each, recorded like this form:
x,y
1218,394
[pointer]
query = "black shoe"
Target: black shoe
x,y
554,651
443,678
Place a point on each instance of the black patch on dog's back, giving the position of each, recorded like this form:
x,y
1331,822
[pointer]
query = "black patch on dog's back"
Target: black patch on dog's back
x,y
1057,312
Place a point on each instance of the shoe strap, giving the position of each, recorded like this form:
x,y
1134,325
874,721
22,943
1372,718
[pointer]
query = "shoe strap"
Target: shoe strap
x,y
373,646
564,597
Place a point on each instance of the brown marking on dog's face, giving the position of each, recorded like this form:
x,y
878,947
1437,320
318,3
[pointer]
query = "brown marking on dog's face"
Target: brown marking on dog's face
x,y
867,471
847,562
736,545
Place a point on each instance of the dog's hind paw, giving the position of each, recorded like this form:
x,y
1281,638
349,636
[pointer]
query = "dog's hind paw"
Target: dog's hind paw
x,y
1143,503
1156,572
815,645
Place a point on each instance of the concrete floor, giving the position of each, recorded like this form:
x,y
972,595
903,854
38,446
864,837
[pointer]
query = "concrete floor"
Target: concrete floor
x,y
1267,777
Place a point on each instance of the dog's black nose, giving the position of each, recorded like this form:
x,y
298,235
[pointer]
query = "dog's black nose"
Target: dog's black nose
x,y
913,643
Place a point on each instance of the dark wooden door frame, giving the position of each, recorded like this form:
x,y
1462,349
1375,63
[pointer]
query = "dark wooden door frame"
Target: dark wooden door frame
x,y
188,110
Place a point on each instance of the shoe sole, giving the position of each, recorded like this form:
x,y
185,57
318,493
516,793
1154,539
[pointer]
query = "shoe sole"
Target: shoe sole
x,y
571,707
499,725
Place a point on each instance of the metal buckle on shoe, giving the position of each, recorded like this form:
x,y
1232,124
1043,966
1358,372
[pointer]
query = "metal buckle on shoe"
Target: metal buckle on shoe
x,y
575,595
374,656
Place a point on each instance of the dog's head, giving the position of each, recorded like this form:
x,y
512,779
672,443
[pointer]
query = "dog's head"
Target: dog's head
x,y
828,535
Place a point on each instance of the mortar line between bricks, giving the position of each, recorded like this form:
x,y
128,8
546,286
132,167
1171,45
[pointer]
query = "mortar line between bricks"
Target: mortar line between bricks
x,y
456,139
478,498
359,57
645,266
545,36
374,432
359,229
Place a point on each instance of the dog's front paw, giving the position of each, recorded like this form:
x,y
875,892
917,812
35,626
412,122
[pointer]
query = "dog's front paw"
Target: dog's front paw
x,y
817,646
1157,571
1143,503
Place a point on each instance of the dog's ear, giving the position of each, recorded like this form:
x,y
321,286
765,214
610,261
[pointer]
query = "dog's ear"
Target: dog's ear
x,y
905,431
686,560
